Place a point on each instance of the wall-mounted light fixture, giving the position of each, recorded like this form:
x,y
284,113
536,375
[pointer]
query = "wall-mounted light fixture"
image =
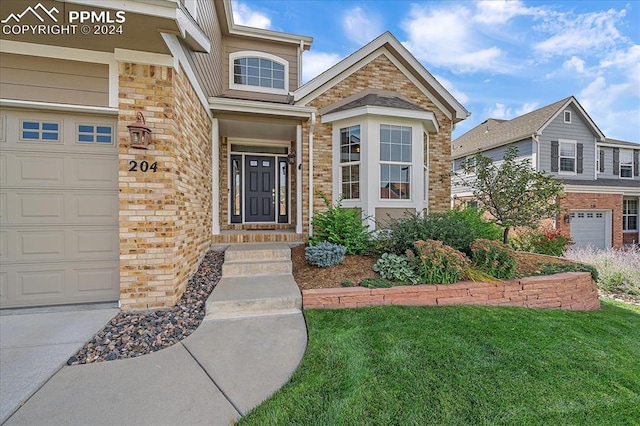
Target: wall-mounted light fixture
x,y
292,157
139,133
567,218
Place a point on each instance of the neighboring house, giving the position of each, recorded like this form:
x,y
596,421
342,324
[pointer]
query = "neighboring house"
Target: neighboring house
x,y
600,175
239,148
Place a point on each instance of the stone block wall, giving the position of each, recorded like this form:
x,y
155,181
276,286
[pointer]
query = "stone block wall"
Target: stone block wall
x,y
165,214
568,290
381,74
580,200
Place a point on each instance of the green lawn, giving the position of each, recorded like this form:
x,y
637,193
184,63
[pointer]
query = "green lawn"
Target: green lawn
x,y
463,365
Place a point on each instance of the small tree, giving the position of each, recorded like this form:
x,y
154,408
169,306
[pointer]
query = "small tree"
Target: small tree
x,y
513,191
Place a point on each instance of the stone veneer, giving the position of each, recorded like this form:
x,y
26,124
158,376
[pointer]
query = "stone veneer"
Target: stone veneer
x,y
382,74
586,201
165,216
568,290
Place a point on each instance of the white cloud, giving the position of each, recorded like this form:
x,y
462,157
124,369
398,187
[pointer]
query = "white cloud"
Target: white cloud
x,y
588,33
500,112
361,27
526,108
445,37
459,95
574,64
244,15
315,63
500,11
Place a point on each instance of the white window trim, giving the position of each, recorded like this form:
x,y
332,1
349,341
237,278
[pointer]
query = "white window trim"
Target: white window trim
x,y
575,156
564,116
627,215
625,164
262,55
350,163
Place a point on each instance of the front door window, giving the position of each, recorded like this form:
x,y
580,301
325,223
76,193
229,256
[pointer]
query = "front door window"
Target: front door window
x,y
259,189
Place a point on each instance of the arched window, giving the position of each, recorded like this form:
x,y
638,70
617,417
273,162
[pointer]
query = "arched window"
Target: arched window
x,y
258,71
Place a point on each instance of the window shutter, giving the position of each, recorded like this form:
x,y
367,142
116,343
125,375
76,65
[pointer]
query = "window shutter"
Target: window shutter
x,y
636,154
579,158
616,161
601,160
554,156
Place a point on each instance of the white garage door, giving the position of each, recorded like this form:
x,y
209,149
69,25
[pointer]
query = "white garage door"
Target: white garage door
x,y
589,228
58,209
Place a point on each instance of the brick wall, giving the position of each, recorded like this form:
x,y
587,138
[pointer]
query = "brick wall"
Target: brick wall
x,y
165,216
569,290
378,74
580,201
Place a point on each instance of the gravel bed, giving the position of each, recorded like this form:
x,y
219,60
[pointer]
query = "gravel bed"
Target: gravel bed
x,y
130,334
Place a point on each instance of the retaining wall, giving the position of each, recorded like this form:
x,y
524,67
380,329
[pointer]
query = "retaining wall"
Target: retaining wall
x,y
568,290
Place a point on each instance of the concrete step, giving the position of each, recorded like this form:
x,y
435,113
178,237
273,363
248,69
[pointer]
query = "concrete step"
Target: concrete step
x,y
255,268
257,252
239,297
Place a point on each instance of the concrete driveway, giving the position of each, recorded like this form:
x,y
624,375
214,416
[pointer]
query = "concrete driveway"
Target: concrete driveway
x,y
36,343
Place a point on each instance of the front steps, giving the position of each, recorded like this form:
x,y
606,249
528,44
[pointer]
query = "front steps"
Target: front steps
x,y
257,280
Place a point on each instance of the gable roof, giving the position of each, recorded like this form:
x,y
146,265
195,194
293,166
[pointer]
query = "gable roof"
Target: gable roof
x,y
493,133
386,43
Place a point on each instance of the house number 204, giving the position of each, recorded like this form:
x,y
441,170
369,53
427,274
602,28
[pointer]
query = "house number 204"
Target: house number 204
x,y
143,166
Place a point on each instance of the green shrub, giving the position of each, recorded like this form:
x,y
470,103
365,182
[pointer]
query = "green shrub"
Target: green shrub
x,y
457,228
397,268
556,268
546,241
376,283
494,257
325,254
347,283
339,225
437,263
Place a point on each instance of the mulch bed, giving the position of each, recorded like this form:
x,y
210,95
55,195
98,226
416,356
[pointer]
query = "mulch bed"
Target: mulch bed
x,y
133,333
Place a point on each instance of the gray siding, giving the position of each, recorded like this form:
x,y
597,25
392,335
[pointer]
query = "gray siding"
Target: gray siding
x,y
208,66
608,165
577,130
31,78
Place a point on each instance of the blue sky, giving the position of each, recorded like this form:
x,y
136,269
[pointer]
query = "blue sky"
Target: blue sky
x,y
500,59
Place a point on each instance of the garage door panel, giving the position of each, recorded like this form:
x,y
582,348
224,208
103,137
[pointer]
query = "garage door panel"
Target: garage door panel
x,y
3,169
4,245
41,244
97,242
39,170
39,207
91,207
97,280
95,172
40,283
4,287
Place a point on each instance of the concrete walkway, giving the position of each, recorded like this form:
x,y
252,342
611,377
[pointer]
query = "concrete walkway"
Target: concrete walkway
x,y
230,364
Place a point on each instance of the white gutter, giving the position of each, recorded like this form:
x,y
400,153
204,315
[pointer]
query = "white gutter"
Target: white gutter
x,y
312,127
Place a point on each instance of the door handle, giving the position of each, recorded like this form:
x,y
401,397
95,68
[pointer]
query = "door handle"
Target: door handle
x,y
273,196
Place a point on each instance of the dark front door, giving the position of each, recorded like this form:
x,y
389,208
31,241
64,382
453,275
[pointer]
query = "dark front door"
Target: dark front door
x,y
260,189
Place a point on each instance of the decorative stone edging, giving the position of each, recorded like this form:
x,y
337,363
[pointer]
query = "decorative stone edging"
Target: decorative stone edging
x,y
567,290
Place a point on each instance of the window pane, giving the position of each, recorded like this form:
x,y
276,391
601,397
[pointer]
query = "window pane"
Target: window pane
x,y
103,139
30,135
567,150
278,75
632,224
631,207
385,152
253,62
406,154
85,129
385,133
85,138
278,67
397,185
30,125
350,144
626,157
50,136
50,126
567,164
626,171
395,152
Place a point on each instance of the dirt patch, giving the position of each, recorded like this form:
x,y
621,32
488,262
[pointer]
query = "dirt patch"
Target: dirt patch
x,y
357,268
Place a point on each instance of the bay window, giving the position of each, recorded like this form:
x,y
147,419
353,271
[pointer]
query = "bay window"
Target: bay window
x,y
395,162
